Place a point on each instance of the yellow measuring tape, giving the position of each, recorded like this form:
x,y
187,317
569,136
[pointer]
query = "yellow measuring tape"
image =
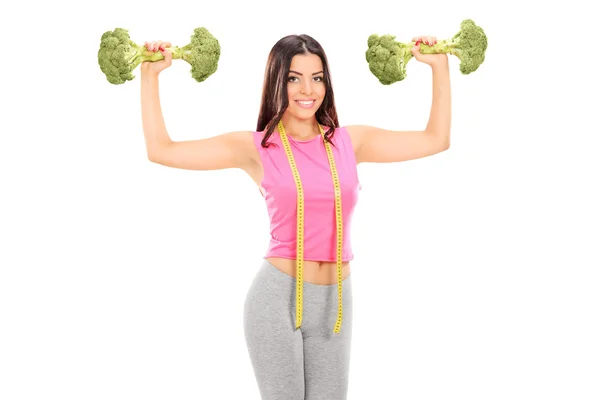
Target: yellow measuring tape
x,y
300,229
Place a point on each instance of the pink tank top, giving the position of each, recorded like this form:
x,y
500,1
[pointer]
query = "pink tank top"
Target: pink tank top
x,y
279,190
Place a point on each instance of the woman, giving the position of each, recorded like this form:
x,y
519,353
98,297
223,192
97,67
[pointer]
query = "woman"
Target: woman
x,y
294,353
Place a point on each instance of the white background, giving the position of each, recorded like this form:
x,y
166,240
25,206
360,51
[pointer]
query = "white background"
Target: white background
x,y
476,270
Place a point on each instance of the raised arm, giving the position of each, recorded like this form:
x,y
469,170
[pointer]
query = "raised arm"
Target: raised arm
x,y
376,145
227,150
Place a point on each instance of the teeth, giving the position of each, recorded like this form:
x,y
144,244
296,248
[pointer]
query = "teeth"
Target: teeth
x,y
306,103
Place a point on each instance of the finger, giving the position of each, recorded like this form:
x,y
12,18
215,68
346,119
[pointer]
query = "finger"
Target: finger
x,y
424,39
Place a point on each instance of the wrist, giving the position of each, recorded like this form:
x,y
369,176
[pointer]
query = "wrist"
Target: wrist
x,y
440,66
149,74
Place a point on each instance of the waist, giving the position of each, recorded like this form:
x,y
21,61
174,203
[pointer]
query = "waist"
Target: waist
x,y
316,272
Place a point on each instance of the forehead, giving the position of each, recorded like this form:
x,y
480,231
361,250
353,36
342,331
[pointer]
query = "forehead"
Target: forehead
x,y
306,63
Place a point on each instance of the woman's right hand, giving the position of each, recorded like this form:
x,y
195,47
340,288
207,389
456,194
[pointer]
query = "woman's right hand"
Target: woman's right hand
x,y
157,66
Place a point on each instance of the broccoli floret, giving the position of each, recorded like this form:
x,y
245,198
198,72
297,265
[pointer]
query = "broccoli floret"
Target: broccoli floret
x,y
387,58
202,53
469,45
119,55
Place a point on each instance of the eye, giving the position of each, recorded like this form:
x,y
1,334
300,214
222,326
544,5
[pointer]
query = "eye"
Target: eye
x,y
291,77
320,78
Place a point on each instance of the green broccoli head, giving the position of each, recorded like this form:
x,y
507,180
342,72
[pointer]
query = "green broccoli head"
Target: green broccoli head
x,y
203,53
387,58
119,55
469,45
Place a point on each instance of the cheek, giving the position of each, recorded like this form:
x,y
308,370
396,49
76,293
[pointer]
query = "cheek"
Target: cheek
x,y
321,90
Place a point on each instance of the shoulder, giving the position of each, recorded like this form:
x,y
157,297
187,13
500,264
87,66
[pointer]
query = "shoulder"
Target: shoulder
x,y
354,133
245,144
258,136
244,139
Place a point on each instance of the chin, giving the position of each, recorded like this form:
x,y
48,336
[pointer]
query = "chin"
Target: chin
x,y
305,115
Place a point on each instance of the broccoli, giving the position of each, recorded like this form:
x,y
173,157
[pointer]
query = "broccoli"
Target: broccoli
x,y
387,58
119,55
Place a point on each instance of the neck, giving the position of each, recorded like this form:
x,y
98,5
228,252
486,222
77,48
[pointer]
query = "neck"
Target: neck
x,y
300,129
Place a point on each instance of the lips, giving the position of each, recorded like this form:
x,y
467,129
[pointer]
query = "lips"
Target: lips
x,y
305,103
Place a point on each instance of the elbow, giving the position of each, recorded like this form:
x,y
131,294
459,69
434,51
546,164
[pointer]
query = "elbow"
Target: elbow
x,y
442,139
153,158
445,135
446,144
156,154
443,144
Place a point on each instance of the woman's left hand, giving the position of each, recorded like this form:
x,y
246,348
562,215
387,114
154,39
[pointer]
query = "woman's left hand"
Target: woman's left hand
x,y
430,59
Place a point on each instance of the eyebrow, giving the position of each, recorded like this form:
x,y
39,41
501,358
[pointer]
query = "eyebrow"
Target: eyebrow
x,y
291,71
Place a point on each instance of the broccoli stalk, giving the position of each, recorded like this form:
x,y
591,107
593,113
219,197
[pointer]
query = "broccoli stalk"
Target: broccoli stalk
x,y
119,55
387,58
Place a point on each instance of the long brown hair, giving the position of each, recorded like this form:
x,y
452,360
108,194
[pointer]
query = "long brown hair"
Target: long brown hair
x,y
274,100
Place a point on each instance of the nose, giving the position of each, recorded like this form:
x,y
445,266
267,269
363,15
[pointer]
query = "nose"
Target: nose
x,y
307,87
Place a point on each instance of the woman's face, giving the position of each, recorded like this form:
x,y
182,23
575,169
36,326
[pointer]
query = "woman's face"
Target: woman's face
x,y
305,85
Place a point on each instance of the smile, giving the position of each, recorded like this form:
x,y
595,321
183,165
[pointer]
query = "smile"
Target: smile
x,y
305,104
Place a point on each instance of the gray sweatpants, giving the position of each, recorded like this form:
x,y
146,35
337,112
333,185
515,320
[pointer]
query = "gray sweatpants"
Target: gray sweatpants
x,y
310,363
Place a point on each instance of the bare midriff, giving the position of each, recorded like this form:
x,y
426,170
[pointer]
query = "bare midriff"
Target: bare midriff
x,y
318,273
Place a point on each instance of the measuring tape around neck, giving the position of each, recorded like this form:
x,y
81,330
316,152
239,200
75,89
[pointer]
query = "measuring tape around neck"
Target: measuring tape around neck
x,y
300,226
